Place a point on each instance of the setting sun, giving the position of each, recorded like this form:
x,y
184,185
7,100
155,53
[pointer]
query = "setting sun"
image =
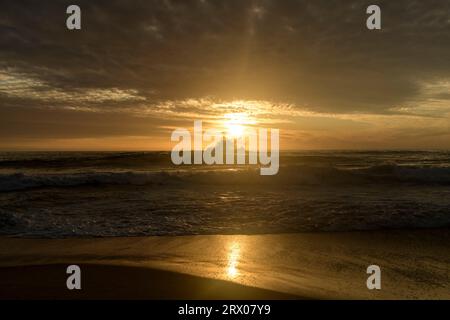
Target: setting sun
x,y
235,124
235,130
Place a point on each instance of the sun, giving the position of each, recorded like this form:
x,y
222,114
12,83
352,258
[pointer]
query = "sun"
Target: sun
x,y
235,130
235,124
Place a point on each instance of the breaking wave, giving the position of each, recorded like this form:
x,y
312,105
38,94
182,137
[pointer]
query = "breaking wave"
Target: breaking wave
x,y
288,176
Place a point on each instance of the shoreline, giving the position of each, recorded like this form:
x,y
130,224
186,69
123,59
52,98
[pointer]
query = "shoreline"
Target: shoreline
x,y
102,282
415,264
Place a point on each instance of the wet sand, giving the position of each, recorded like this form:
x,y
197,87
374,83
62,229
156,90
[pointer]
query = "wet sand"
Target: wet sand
x,y
121,282
415,264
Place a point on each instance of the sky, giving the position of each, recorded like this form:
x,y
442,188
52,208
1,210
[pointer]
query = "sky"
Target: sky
x,y
137,70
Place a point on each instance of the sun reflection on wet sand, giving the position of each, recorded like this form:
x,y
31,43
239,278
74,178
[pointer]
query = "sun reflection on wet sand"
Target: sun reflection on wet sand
x,y
233,260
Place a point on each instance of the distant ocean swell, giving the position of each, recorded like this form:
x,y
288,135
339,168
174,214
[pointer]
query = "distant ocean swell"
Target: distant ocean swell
x,y
291,175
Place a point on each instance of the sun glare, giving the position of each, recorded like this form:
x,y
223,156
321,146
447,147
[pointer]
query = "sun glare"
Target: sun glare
x,y
235,130
235,124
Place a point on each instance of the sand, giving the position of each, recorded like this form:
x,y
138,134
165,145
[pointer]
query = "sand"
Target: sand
x,y
121,282
415,264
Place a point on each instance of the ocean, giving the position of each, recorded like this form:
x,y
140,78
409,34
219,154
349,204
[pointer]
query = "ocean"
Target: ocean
x,y
102,194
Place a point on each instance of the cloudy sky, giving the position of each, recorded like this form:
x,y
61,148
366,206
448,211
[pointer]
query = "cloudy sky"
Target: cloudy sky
x,y
138,69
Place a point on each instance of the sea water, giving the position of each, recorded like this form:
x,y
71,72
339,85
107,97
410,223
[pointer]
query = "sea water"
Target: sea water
x,y
78,194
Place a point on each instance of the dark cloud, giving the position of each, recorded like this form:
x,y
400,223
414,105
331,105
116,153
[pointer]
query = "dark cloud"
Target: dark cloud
x,y
314,53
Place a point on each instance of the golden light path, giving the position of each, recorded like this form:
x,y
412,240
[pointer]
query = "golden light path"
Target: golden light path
x,y
233,260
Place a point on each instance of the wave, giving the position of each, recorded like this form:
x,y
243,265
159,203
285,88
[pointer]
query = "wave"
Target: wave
x,y
151,160
21,181
290,175
63,160
8,220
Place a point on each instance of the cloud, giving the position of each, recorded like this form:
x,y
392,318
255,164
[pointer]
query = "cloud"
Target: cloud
x,y
317,53
18,86
171,61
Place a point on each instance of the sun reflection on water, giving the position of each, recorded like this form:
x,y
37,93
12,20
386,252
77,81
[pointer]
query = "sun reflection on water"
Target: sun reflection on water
x,y
233,260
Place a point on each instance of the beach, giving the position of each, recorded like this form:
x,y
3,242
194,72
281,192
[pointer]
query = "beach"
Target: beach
x,y
415,264
225,150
